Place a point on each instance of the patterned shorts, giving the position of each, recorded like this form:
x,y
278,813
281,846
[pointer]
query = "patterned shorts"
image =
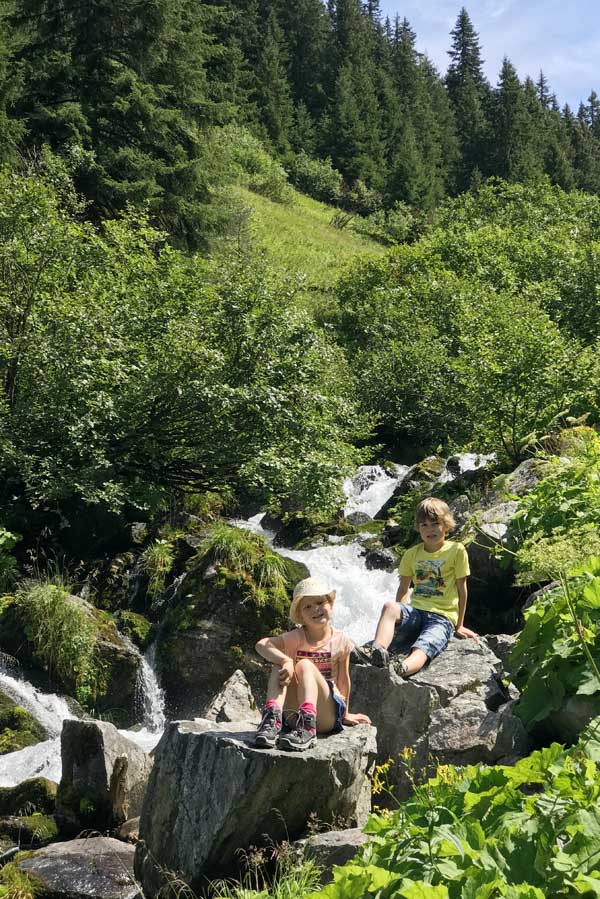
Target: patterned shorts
x,y
422,630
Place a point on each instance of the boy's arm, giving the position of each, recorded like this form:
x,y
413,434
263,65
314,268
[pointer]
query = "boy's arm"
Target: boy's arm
x,y
403,589
343,685
461,630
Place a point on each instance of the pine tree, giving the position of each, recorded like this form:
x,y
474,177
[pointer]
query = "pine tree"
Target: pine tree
x,y
10,129
543,90
514,139
126,83
469,94
306,26
594,113
273,90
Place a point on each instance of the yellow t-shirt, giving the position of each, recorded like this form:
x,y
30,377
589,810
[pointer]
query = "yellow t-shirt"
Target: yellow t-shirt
x,y
434,577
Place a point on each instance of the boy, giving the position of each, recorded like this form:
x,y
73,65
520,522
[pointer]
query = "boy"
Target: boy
x,y
438,569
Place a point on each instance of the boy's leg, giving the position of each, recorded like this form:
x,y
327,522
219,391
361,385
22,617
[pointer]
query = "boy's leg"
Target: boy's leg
x,y
390,614
434,637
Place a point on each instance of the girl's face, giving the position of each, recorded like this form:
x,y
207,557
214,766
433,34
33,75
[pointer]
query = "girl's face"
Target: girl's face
x,y
315,610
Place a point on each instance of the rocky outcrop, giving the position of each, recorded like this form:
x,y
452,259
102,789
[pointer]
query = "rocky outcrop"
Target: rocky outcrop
x,y
425,472
212,794
234,702
455,711
98,868
104,774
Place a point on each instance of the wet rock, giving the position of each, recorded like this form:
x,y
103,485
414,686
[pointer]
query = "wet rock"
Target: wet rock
x,y
212,793
234,702
37,794
336,847
104,774
381,558
456,711
358,518
94,868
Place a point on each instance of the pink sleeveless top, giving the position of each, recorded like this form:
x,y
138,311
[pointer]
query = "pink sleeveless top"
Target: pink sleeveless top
x,y
327,658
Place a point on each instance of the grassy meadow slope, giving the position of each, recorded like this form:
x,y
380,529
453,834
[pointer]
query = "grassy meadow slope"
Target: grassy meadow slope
x,y
300,239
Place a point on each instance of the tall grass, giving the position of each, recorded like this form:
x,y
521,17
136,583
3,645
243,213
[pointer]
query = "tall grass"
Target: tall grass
x,y
245,552
63,634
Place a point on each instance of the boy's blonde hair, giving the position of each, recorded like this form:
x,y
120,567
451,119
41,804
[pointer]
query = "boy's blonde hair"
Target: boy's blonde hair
x,y
432,509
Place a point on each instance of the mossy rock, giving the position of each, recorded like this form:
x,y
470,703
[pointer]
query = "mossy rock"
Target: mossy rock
x,y
18,727
429,468
37,794
571,441
31,831
137,628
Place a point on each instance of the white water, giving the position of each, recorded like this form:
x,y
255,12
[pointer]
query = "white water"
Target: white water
x,y
370,488
468,462
43,759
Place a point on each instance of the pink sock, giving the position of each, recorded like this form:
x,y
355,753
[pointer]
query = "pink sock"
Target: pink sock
x,y
309,708
272,704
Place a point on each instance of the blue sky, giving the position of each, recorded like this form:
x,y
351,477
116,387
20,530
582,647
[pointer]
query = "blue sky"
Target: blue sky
x,y
562,39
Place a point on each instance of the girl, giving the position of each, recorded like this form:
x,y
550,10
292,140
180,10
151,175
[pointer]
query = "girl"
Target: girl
x,y
311,673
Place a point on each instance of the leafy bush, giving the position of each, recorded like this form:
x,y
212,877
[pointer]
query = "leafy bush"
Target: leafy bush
x,y
315,177
389,226
542,559
247,162
63,634
524,832
8,563
558,650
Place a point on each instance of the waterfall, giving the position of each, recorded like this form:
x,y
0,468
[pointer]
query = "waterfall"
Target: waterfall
x,y
371,487
151,696
43,759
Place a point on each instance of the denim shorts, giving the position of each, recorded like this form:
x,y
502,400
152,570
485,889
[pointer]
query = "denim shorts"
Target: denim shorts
x,y
418,629
340,708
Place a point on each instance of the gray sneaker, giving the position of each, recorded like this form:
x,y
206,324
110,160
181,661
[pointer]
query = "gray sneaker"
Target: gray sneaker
x,y
268,729
303,736
380,657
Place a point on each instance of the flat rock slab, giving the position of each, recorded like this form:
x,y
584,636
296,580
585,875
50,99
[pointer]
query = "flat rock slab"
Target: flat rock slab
x,y
212,794
95,868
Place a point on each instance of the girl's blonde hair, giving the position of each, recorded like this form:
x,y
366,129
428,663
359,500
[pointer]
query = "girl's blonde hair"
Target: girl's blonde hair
x,y
432,509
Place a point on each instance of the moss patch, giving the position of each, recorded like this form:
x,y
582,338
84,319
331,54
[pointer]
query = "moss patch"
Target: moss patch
x,y
18,727
30,830
136,627
37,794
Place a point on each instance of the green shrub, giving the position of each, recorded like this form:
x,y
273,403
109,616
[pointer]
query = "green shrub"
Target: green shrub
x,y
557,651
235,548
542,559
315,177
248,163
16,884
389,226
136,627
8,563
62,632
523,832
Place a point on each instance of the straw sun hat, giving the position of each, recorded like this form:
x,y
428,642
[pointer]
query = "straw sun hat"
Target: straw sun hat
x,y
310,586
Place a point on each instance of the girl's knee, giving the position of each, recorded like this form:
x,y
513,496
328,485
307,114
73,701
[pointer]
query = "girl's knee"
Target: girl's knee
x,y
305,667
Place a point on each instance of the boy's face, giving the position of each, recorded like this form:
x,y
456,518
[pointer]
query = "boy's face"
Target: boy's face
x,y
432,533
315,610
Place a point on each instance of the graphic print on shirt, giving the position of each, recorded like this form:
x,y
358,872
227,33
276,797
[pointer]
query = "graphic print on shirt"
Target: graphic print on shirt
x,y
428,578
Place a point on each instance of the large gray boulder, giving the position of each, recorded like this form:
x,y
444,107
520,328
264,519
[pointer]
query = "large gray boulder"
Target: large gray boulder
x,y
455,711
98,868
104,775
212,794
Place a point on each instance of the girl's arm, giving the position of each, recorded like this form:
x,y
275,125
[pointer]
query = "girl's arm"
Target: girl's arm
x,y
272,649
461,630
343,685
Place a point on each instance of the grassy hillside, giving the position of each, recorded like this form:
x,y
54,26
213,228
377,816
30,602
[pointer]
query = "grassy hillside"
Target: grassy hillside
x,y
300,238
